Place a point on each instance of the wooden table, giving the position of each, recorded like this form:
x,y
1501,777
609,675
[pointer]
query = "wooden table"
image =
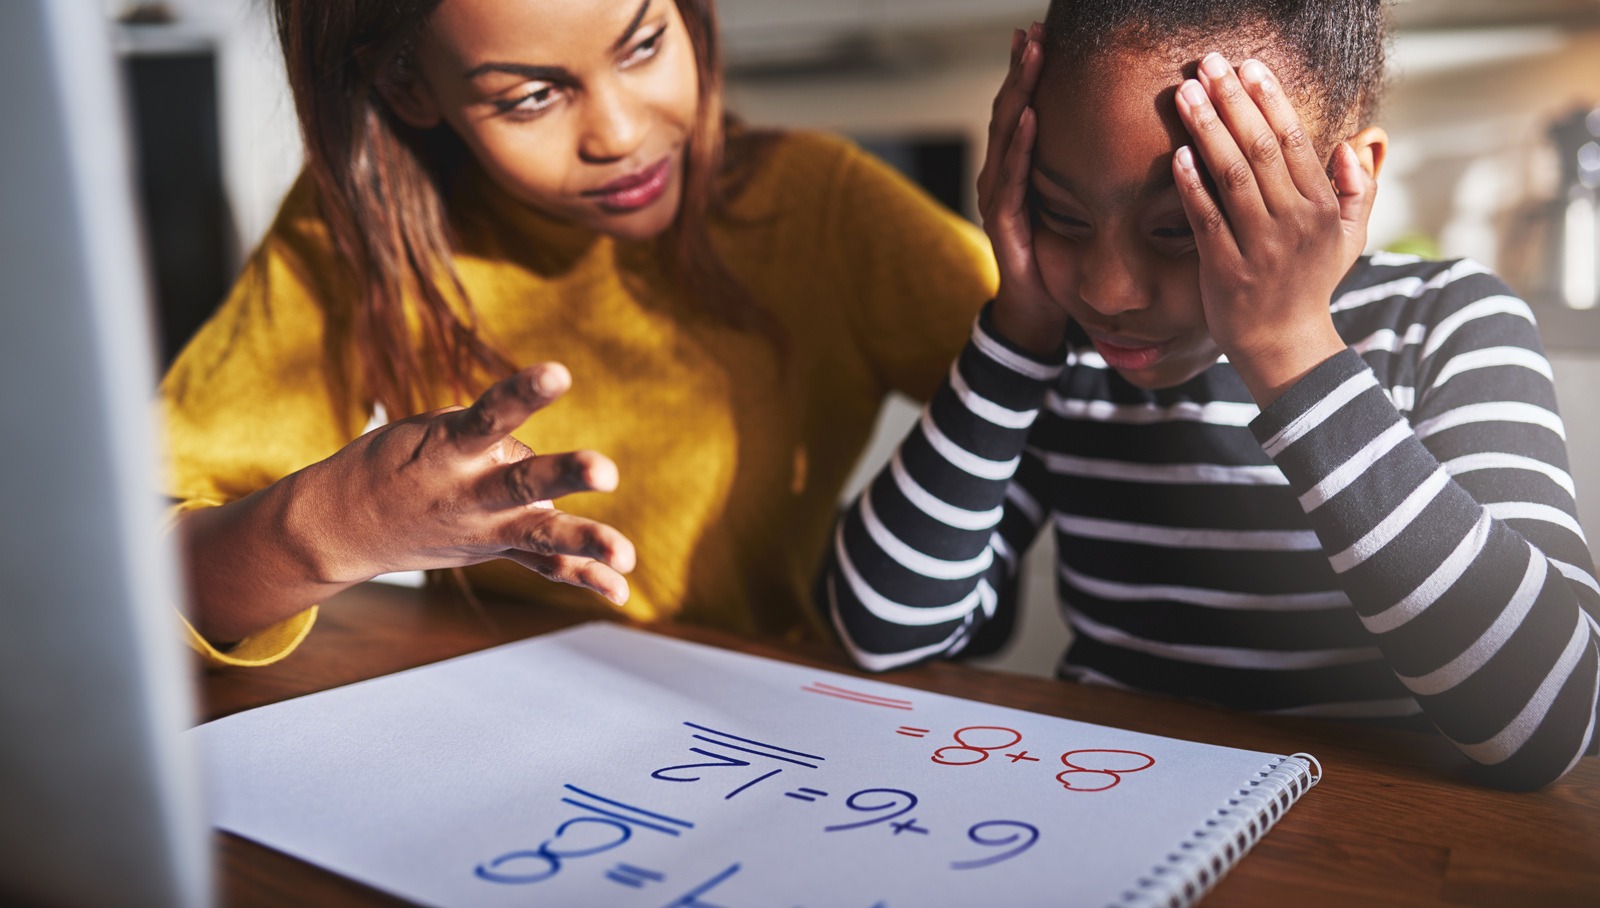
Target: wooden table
x,y
1393,822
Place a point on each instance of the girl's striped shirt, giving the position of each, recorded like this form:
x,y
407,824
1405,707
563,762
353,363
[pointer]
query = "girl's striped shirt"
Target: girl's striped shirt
x,y
1395,538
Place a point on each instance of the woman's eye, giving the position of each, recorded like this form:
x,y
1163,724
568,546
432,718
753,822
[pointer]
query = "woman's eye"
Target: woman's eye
x,y
1173,233
532,101
645,49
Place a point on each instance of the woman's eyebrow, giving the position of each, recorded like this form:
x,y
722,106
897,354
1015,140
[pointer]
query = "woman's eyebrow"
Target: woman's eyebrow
x,y
525,70
557,73
633,26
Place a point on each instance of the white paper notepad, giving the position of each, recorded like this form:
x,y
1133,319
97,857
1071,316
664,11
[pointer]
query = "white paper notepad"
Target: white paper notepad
x,y
610,767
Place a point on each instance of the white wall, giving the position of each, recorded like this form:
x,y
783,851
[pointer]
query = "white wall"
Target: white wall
x,y
260,140
946,92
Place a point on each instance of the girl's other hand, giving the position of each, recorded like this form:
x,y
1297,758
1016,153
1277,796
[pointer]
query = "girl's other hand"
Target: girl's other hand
x,y
452,488
1023,310
1274,235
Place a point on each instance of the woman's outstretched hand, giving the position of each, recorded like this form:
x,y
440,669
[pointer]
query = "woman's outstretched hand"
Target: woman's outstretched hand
x,y
452,488
443,489
1023,310
1274,234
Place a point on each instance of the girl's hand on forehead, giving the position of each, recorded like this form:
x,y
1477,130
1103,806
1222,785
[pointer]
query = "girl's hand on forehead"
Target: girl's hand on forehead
x,y
1023,310
1273,234
453,488
1015,93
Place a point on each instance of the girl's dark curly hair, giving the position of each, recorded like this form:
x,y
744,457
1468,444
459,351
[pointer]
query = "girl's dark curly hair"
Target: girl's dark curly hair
x,y
1330,53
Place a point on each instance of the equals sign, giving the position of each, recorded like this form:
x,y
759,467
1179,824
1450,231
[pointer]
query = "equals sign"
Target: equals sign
x,y
806,794
856,696
910,732
629,875
625,813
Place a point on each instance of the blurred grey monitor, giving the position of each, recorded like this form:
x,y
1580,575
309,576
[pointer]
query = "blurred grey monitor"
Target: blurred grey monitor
x,y
99,803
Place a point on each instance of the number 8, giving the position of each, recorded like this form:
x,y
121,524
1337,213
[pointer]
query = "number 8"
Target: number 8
x,y
1114,772
961,745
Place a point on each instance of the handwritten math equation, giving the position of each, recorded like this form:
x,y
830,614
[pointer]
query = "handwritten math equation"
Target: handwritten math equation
x,y
976,743
729,766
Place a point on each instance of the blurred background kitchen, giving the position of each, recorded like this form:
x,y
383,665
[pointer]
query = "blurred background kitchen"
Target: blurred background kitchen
x,y
1494,116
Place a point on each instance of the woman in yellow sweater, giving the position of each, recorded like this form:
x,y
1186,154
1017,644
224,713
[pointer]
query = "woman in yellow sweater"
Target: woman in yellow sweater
x,y
491,185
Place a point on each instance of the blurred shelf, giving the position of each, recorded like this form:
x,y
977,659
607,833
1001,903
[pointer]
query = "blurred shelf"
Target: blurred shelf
x,y
165,39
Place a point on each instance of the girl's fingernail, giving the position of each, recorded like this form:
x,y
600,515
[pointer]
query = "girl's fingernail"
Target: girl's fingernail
x,y
1185,157
1253,71
1214,65
1192,93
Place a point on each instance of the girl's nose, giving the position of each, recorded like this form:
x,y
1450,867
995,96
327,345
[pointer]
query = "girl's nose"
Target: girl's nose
x,y
1108,283
614,125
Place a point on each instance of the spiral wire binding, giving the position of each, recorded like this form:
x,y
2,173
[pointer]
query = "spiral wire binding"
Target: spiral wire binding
x,y
1200,860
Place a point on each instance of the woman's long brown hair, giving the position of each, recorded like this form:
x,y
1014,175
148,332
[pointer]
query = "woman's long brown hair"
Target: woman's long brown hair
x,y
382,190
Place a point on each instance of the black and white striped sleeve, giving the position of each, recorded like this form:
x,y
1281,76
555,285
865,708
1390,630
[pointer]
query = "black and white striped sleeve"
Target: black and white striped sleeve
x,y
1454,531
927,556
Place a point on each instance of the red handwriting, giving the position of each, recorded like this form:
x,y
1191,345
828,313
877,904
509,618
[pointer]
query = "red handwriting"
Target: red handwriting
x,y
1087,769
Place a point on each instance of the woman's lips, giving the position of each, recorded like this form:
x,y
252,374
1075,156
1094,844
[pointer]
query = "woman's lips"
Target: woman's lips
x,y
1128,354
636,190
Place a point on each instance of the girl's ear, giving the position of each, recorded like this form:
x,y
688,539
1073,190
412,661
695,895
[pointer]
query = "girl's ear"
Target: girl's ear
x,y
1371,145
411,100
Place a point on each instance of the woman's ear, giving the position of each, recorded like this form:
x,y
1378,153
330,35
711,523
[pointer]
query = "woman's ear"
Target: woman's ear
x,y
1371,145
411,100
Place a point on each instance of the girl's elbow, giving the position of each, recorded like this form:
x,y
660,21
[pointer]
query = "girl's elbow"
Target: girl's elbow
x,y
1529,770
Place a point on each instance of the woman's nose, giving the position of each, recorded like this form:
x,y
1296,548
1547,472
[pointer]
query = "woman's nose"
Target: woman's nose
x,y
1109,283
614,125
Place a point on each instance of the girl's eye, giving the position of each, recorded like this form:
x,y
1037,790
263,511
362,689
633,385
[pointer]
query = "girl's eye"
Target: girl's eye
x,y
533,101
1057,222
1173,239
645,49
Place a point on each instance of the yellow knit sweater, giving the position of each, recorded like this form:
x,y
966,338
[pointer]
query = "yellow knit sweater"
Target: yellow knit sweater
x,y
731,464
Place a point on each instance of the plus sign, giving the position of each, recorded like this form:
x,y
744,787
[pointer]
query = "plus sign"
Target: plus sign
x,y
908,826
1018,757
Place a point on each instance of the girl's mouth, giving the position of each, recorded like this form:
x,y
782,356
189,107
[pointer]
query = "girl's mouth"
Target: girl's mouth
x,y
1129,356
636,190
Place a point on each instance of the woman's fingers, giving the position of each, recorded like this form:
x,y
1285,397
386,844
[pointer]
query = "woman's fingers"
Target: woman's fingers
x,y
1298,153
544,478
582,572
505,406
552,532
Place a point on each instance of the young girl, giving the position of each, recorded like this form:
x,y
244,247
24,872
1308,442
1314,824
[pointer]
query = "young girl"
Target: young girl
x,y
1281,477
491,185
